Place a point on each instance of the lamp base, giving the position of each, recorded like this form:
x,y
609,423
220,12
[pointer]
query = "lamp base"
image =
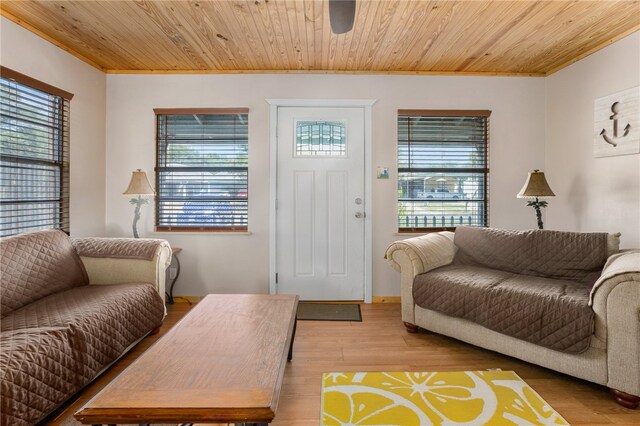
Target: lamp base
x,y
537,205
136,213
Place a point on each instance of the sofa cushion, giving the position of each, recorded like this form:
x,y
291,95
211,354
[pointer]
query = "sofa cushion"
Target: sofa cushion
x,y
40,368
552,254
548,312
36,265
107,317
83,329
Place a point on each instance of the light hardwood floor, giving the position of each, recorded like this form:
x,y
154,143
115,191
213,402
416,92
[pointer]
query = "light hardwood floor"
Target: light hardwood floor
x,y
380,343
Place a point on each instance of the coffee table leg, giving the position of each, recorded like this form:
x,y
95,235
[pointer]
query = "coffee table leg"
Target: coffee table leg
x,y
293,337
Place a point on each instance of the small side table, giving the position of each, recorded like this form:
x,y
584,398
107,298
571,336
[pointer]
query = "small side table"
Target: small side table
x,y
174,252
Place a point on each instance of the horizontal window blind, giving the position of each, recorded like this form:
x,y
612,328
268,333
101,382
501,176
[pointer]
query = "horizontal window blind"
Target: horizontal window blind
x,y
442,170
34,158
202,170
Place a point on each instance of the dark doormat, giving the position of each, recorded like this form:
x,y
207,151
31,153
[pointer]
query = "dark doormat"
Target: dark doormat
x,y
329,312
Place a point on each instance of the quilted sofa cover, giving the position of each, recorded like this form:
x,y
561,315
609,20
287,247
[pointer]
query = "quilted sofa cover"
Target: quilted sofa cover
x,y
56,338
613,357
532,285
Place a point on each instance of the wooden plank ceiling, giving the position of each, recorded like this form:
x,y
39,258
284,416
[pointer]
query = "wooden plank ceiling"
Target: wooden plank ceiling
x,y
419,36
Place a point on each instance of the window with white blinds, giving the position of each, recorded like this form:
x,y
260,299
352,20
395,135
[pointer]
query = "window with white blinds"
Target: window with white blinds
x,y
202,170
442,169
34,155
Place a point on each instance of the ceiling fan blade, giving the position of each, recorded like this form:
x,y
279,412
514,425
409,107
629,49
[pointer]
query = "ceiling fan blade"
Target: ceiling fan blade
x,y
341,15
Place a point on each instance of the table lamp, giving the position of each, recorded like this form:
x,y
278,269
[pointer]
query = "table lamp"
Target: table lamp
x,y
536,187
138,187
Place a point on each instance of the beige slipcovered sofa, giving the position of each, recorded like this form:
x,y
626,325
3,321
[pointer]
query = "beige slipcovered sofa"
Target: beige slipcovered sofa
x,y
612,355
70,308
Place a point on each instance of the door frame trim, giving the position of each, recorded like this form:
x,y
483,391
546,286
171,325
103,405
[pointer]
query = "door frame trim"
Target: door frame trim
x,y
366,106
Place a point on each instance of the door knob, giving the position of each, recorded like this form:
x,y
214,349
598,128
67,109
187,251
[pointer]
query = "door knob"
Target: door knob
x,y
359,215
358,201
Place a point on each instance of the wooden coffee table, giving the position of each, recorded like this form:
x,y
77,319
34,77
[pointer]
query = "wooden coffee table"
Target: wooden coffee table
x,y
222,363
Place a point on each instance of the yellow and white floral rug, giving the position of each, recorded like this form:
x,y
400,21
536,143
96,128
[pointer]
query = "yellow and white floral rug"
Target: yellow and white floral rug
x,y
471,398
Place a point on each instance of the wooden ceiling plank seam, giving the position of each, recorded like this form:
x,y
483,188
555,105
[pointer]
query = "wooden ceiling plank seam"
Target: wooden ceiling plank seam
x,y
517,37
568,21
366,46
314,17
296,45
328,38
232,36
127,41
280,11
351,44
468,35
244,35
157,28
281,14
551,50
343,45
70,26
429,45
357,35
404,36
593,50
330,41
69,23
289,33
301,30
160,14
384,15
209,43
195,34
426,52
411,40
485,41
332,44
357,57
253,39
396,30
547,22
593,30
262,20
480,49
314,45
129,52
352,53
318,23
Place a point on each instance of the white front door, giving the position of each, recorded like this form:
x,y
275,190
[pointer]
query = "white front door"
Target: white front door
x,y
320,205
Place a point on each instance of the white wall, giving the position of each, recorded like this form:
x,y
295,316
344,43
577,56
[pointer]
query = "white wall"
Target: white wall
x,y
592,194
240,263
26,53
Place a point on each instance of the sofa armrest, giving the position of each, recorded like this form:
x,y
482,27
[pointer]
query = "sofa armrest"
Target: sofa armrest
x,y
125,260
415,256
616,304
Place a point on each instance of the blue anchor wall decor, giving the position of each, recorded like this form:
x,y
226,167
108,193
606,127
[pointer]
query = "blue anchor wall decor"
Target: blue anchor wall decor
x,y
615,109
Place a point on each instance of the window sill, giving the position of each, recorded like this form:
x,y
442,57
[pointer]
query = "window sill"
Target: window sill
x,y
425,232
208,232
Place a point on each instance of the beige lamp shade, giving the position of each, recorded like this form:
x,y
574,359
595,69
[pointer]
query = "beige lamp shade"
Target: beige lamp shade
x,y
536,186
139,185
